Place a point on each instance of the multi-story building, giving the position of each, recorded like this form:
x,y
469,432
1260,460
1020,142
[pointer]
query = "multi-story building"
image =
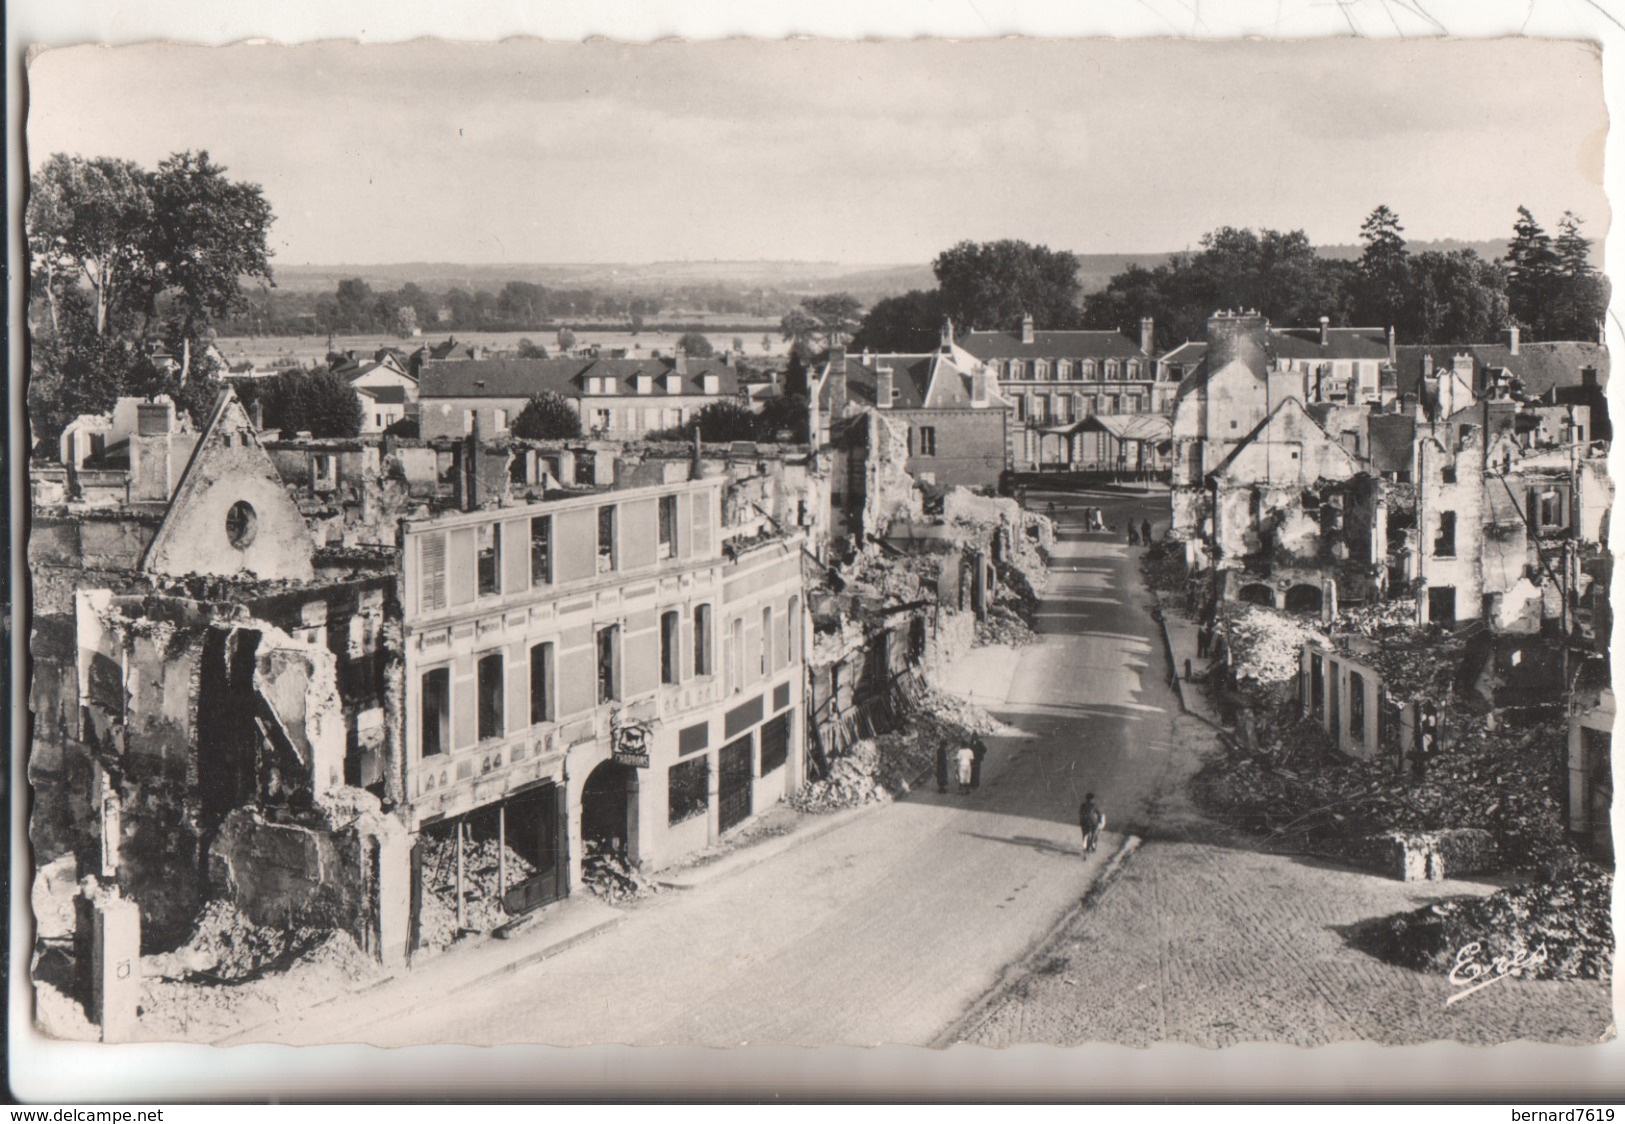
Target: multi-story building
x,y
1058,380
616,398
606,667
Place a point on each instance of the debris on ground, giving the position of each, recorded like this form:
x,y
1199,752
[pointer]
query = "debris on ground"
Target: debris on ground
x,y
1265,645
1299,792
881,768
482,905
1003,626
608,875
1555,929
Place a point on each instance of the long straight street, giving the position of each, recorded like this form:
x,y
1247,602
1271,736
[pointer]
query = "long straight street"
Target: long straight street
x,y
888,929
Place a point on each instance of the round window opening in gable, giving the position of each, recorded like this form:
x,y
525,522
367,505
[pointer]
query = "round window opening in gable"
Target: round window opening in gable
x,y
241,523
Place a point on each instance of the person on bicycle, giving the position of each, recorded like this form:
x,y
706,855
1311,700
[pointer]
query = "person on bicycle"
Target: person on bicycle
x,y
1092,821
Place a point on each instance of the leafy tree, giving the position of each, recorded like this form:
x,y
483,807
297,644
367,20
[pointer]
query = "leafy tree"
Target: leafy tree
x,y
403,427
783,415
1383,277
91,220
1455,297
798,326
993,284
529,349
836,315
767,344
723,421
637,323
547,417
319,401
696,345
566,339
739,345
357,305
908,323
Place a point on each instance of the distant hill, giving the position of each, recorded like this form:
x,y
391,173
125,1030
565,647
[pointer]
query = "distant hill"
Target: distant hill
x,y
866,282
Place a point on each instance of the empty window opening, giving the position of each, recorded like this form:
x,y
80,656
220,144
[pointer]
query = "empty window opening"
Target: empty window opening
x,y
489,558
541,550
609,664
669,647
541,683
1444,543
668,527
436,711
490,673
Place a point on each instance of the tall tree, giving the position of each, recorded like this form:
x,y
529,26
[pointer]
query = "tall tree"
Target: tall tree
x,y
910,322
993,284
318,401
696,346
1455,297
1581,290
1383,276
1532,272
798,326
91,220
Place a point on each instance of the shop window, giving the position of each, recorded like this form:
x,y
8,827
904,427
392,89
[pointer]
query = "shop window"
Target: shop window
x,y
776,742
609,664
1444,543
668,526
606,539
686,784
669,648
435,713
490,672
541,550
489,558
541,683
702,640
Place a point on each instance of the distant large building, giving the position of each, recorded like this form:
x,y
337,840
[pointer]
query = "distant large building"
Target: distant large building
x,y
621,398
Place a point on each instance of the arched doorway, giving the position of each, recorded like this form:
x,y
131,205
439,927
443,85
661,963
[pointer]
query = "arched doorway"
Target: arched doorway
x,y
1256,594
1303,599
606,808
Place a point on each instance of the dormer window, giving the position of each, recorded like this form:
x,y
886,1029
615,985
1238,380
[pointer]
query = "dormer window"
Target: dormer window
x,y
674,384
646,384
713,385
1088,370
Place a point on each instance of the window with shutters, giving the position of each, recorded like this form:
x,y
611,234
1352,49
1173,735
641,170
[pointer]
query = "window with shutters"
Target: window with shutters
x,y
488,558
609,664
702,640
668,527
490,671
541,550
776,742
432,572
435,712
670,646
541,683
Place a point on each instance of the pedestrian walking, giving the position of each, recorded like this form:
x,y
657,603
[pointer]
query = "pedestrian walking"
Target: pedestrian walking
x,y
1204,638
942,766
966,759
1145,531
978,749
1133,535
1091,820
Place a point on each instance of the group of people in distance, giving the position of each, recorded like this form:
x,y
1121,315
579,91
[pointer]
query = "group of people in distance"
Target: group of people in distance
x,y
965,764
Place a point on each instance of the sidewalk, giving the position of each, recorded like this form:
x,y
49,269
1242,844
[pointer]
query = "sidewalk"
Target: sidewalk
x,y
539,936
1179,633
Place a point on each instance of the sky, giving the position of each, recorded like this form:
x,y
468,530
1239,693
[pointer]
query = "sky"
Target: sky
x,y
883,152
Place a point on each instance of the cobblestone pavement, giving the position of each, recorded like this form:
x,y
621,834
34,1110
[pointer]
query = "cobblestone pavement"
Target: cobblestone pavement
x,y
1203,939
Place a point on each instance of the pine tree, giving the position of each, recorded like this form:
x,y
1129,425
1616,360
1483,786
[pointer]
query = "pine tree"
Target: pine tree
x,y
1532,273
1582,292
1383,281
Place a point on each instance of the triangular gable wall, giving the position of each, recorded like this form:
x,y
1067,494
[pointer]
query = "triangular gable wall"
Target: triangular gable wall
x,y
231,516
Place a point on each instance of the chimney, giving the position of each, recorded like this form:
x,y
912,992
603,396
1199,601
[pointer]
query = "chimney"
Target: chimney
x,y
1393,350
1325,331
978,385
1427,365
1148,335
680,358
1027,327
258,413
1512,339
883,388
469,478
837,359
947,334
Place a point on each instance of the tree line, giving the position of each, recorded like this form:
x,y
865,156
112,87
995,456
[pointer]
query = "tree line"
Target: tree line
x,y
1545,285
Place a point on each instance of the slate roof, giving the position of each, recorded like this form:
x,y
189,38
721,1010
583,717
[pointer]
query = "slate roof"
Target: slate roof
x,y
1539,366
384,395
1050,345
1341,343
522,378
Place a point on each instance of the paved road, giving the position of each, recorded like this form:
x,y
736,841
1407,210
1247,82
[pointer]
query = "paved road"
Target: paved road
x,y
888,929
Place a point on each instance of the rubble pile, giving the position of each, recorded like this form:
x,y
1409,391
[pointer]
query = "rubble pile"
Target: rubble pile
x,y
1163,566
1559,926
607,875
482,908
1265,644
882,768
1003,625
1294,790
231,971
1376,619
